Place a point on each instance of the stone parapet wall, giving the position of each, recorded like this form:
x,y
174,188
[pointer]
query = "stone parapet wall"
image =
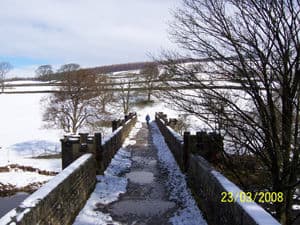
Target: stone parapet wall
x,y
111,145
208,185
104,149
175,143
58,201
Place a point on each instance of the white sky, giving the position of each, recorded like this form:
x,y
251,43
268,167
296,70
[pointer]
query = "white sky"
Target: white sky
x,y
87,32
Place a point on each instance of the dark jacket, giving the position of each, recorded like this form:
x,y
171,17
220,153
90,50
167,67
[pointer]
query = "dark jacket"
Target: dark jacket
x,y
147,118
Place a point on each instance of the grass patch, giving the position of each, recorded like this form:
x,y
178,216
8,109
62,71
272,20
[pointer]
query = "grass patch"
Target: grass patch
x,y
143,103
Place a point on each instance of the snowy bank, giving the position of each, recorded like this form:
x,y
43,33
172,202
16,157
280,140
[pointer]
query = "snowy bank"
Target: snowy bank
x,y
67,192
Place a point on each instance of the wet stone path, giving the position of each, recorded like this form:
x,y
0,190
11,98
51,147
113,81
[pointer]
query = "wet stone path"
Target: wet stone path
x,y
137,186
146,200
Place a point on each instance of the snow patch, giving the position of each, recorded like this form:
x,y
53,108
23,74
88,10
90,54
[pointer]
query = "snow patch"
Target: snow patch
x,y
175,134
119,164
189,214
107,190
22,179
296,207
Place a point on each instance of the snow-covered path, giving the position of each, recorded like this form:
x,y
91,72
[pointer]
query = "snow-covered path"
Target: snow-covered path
x,y
142,185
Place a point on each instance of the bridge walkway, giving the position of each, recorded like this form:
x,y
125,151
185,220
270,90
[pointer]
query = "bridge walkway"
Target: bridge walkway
x,y
142,185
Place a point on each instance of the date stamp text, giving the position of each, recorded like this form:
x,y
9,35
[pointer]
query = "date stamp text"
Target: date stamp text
x,y
260,197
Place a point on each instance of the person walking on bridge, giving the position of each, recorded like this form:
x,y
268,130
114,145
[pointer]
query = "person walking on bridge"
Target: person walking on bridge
x,y
147,119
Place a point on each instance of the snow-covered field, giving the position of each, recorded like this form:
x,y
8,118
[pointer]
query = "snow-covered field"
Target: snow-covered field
x,y
22,137
21,120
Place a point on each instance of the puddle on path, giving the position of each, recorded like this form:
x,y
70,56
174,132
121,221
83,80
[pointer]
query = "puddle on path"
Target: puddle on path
x,y
140,177
144,160
142,208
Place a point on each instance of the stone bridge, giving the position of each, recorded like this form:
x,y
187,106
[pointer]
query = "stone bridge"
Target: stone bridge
x,y
139,175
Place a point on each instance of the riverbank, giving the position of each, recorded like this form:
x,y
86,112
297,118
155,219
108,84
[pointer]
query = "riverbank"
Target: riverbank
x,y
25,179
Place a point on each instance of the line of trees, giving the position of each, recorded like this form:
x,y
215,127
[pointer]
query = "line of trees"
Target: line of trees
x,y
46,72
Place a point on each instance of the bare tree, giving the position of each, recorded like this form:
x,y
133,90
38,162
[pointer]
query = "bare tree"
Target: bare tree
x,y
5,67
125,95
43,72
71,107
104,93
255,47
150,74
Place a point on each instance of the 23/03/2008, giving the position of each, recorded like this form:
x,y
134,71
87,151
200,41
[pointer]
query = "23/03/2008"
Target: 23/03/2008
x,y
260,197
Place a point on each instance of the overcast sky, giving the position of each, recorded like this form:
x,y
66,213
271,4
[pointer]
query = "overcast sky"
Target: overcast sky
x,y
87,32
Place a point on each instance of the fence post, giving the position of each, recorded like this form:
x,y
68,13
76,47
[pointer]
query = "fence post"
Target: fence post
x,y
98,151
186,150
66,152
215,146
200,139
164,117
83,142
114,125
97,141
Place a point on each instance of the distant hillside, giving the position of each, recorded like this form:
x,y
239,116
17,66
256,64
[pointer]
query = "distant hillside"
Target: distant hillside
x,y
133,66
101,70
118,68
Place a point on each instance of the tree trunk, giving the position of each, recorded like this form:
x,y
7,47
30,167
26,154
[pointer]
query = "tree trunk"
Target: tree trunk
x,y
74,127
103,108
